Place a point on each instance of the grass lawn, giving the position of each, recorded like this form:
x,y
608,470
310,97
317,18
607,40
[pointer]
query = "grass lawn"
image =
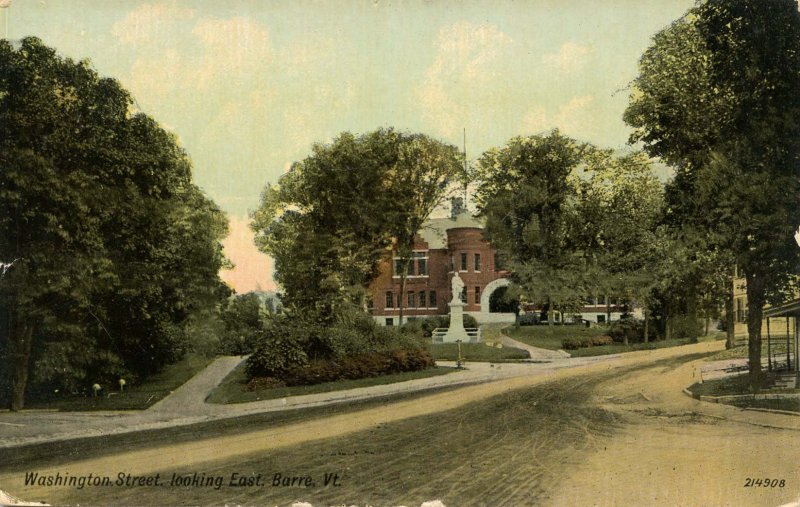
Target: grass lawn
x,y
618,348
135,397
778,349
231,390
787,404
740,384
549,337
477,352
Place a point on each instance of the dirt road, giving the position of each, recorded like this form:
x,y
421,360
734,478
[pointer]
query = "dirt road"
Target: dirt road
x,y
613,433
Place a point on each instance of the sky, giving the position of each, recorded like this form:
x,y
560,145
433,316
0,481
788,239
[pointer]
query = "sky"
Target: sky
x,y
248,86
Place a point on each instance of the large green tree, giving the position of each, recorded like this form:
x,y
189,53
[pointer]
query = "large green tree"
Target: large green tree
x,y
572,220
331,219
112,245
525,195
615,223
716,97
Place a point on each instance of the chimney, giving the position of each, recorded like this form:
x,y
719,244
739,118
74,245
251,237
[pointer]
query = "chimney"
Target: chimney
x,y
456,207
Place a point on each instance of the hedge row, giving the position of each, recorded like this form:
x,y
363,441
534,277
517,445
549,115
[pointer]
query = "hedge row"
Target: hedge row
x,y
373,364
584,342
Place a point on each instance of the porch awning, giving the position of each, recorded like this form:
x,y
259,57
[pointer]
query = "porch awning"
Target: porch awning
x,y
788,309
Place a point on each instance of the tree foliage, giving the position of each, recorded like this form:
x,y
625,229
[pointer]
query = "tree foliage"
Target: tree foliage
x,y
337,213
573,220
113,246
716,97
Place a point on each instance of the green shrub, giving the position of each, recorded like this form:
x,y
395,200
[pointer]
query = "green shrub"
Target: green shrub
x,y
293,339
245,322
597,341
686,326
373,364
631,329
426,325
281,348
528,319
573,343
585,341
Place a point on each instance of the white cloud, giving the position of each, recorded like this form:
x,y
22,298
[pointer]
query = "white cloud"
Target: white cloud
x,y
570,58
205,55
145,21
465,72
233,48
576,118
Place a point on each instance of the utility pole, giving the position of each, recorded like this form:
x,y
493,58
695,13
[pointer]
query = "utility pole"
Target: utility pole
x,y
466,171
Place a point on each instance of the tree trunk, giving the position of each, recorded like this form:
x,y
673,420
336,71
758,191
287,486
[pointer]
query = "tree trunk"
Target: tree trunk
x,y
667,327
608,310
21,352
401,297
708,321
730,322
646,326
755,308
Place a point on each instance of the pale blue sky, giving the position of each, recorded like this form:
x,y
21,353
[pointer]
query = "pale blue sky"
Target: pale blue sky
x,y
249,85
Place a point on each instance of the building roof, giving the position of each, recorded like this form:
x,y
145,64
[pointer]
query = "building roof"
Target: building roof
x,y
788,309
434,231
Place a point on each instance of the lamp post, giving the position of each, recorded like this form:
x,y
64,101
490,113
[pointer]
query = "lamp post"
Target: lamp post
x,y
459,359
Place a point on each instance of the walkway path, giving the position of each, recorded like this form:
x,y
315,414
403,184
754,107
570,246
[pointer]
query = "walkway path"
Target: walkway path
x,y
536,353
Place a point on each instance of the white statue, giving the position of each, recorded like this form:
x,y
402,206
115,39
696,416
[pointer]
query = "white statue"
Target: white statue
x,y
457,285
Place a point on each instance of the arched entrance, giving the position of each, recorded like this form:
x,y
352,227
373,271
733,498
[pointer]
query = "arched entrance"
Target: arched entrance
x,y
500,303
492,286
485,315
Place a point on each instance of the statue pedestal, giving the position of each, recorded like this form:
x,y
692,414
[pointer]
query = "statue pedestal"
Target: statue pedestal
x,y
456,330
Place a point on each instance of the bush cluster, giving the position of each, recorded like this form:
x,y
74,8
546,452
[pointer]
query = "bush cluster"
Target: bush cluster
x,y
586,341
424,326
528,319
292,341
630,328
373,364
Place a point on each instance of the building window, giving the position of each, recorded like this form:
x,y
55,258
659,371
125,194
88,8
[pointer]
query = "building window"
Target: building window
x,y
601,319
390,321
463,261
412,300
499,262
421,260
741,311
477,295
432,301
422,267
370,303
452,267
422,300
389,300
417,265
478,262
463,295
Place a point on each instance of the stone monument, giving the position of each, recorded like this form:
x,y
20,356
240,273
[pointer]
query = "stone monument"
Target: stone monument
x,y
456,330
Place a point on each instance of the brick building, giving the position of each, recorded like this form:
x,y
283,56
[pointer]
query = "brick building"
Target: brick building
x,y
444,244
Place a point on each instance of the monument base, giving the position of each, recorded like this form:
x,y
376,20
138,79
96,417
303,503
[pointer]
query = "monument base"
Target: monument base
x,y
456,330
